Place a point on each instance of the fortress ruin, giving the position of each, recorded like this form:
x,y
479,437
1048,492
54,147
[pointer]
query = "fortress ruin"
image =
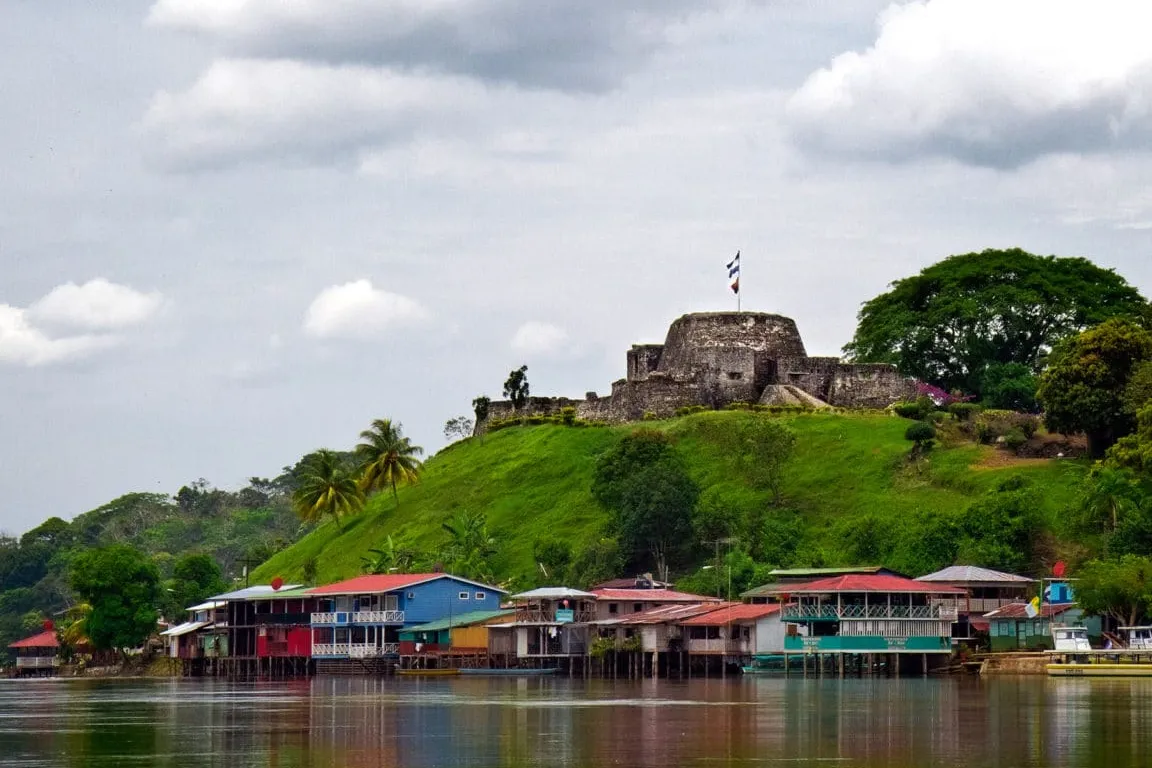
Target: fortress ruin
x,y
715,359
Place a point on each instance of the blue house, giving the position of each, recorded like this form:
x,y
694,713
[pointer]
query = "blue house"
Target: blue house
x,y
361,618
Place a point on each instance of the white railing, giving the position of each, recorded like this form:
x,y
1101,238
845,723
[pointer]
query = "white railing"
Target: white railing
x,y
378,617
36,662
718,645
831,611
355,650
989,604
330,617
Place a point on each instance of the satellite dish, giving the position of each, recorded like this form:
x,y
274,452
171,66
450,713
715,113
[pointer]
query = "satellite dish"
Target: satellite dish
x,y
49,625
1059,569
277,583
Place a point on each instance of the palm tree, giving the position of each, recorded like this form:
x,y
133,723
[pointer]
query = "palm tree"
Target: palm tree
x,y
326,487
390,557
470,547
387,458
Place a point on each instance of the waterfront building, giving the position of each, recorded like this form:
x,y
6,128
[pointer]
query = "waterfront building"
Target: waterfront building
x,y
1016,628
361,618
37,655
780,576
550,623
866,615
987,590
457,641
615,602
186,640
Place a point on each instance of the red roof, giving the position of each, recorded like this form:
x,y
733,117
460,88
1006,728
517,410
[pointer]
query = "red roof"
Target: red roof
x,y
663,614
43,640
1019,611
651,596
385,582
869,582
740,612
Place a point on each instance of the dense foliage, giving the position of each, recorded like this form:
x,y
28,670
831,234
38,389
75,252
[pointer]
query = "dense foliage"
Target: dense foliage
x,y
122,586
957,320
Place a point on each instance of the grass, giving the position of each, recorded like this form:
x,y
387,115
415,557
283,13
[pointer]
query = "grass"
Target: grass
x,y
534,482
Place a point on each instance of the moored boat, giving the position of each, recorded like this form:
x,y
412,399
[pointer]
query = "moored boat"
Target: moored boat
x,y
509,672
1075,657
428,672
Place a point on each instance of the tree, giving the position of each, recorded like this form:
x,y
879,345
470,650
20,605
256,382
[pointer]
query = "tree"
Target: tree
x,y
195,576
1119,588
387,458
1010,387
123,588
470,547
480,407
458,428
1107,496
1135,451
392,556
516,387
950,323
326,487
761,447
1138,393
999,530
1083,388
923,436
651,498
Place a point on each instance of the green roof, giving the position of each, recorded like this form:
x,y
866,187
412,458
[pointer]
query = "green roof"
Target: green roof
x,y
297,592
459,620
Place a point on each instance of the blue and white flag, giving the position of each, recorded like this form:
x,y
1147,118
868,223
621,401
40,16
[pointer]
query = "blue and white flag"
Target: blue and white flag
x,y
734,272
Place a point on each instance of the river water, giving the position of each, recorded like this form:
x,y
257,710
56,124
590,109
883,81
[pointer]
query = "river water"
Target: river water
x,y
353,722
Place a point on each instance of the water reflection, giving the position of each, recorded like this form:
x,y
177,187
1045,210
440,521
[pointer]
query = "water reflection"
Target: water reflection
x,y
395,723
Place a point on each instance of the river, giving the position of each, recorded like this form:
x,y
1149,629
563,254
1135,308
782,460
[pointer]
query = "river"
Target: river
x,y
355,722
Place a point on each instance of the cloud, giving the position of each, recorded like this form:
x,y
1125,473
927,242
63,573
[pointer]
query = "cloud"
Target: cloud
x,y
535,338
241,109
571,45
96,305
358,310
27,335
993,83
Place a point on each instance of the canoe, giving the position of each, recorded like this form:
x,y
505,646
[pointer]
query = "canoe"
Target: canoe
x,y
428,672
509,672
1099,670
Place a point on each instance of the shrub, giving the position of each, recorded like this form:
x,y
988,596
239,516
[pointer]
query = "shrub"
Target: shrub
x,y
938,417
738,406
568,416
648,416
907,410
993,424
965,411
688,410
922,434
1015,438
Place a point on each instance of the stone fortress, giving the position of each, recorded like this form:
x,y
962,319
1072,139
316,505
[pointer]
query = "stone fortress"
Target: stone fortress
x,y
715,359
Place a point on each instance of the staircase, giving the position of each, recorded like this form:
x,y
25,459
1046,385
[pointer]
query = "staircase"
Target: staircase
x,y
788,394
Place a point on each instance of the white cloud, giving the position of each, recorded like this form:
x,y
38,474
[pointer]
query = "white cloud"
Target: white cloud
x,y
250,109
96,305
46,331
989,82
21,343
534,338
359,310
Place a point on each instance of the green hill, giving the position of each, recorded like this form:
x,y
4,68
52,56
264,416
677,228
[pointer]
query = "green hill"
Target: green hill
x,y
849,492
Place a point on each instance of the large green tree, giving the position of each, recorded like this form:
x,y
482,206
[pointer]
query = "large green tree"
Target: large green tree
x,y
1086,382
1120,588
123,588
950,323
387,458
195,576
645,487
325,486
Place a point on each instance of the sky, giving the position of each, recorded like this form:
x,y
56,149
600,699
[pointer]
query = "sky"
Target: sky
x,y
234,231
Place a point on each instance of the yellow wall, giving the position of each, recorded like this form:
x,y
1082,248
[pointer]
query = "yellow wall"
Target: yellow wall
x,y
470,637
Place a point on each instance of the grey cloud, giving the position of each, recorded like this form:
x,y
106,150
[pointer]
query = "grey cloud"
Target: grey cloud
x,y
573,45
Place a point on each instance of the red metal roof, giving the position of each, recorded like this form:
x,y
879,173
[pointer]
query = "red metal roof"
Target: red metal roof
x,y
733,613
651,596
869,582
387,582
661,614
43,640
1019,611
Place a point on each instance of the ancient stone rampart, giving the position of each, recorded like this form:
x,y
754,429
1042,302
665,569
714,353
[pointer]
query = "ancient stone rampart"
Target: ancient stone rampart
x,y
718,358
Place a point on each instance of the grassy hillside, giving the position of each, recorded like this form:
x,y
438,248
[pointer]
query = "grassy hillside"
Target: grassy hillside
x,y
534,481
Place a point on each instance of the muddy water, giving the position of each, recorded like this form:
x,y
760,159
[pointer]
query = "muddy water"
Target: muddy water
x,y
332,722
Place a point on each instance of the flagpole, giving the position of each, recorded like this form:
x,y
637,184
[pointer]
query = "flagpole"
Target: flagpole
x,y
739,296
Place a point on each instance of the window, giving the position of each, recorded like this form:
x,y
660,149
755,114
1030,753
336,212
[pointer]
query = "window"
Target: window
x,y
411,595
464,595
613,608
480,596
637,607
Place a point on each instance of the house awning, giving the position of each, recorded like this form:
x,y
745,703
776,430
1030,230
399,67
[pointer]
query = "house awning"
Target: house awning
x,y
211,605
185,628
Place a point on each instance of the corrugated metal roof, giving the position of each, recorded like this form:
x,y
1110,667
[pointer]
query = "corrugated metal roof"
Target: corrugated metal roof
x,y
554,593
631,584
965,574
46,639
660,615
249,593
735,613
859,582
1020,611
185,628
817,572
390,582
462,620
208,606
651,596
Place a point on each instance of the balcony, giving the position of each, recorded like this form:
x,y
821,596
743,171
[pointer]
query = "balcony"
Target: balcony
x,y
538,616
37,662
378,617
720,645
355,650
330,617
833,612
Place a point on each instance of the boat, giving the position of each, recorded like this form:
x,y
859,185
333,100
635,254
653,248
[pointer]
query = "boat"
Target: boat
x,y
773,663
428,672
509,672
1075,657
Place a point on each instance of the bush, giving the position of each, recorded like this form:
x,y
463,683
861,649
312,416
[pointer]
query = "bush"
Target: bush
x,y
908,411
738,406
938,417
922,434
568,416
688,410
965,411
648,416
1015,438
993,424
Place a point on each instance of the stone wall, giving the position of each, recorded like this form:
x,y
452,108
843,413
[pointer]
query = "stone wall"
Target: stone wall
x,y
869,386
693,339
643,359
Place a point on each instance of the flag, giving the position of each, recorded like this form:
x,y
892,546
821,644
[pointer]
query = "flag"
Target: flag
x,y
734,272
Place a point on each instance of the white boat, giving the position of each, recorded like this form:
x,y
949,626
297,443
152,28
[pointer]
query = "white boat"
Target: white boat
x,y
1075,657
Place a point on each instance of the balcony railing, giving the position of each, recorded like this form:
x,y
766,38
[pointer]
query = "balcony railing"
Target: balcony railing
x,y
535,616
719,645
378,617
36,662
330,617
355,650
831,611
